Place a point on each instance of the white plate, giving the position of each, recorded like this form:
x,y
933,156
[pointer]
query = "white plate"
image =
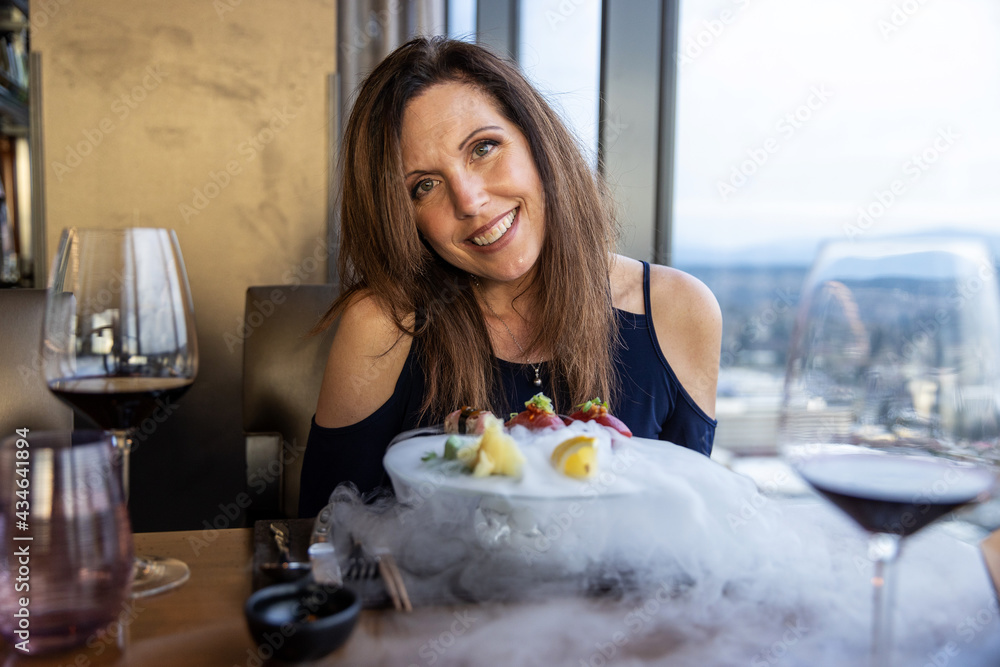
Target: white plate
x,y
540,480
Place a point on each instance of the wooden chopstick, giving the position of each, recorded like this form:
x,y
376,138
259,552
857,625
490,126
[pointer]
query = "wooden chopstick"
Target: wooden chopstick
x,y
400,586
393,581
390,584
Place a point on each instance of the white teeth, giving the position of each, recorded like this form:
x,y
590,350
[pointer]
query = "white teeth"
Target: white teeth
x,y
497,231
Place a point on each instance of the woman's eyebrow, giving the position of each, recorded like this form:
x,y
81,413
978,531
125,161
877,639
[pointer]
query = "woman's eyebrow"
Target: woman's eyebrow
x,y
475,132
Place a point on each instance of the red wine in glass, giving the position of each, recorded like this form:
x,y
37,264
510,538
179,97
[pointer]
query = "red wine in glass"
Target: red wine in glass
x,y
119,339
116,403
895,494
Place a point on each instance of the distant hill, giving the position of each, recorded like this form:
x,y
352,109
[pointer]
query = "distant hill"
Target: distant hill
x,y
758,291
796,252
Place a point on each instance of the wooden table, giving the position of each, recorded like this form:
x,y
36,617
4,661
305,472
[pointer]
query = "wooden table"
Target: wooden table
x,y
202,623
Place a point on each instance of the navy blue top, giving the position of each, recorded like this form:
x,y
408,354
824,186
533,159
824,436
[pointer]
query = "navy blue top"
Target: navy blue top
x,y
653,405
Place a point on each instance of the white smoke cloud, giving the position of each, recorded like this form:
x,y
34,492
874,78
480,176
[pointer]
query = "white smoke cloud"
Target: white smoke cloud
x,y
696,568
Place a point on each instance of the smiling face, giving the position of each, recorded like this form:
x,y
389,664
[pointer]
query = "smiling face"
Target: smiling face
x,y
474,184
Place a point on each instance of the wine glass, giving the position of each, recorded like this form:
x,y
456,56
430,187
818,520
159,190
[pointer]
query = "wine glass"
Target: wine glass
x,y
891,398
66,571
119,335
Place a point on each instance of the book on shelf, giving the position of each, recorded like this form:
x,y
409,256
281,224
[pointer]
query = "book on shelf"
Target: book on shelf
x,y
17,56
13,51
13,66
14,176
10,273
22,212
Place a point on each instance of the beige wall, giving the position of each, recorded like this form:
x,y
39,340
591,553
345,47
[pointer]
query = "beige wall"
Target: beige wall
x,y
147,103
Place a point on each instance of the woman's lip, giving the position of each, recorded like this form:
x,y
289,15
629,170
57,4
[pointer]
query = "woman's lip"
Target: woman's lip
x,y
490,225
504,240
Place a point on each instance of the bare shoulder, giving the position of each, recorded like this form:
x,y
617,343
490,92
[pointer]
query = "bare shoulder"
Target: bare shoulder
x,y
626,284
688,323
366,357
672,292
681,298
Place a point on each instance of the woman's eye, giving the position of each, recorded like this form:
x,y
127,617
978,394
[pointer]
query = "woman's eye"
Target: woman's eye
x,y
422,188
484,148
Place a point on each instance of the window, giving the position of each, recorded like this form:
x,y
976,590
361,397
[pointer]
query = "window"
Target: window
x,y
799,121
462,20
559,50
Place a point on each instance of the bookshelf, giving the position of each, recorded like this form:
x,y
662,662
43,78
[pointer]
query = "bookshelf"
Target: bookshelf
x,y
15,177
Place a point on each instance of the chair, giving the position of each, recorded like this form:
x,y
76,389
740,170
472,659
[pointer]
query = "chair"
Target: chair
x,y
25,399
282,373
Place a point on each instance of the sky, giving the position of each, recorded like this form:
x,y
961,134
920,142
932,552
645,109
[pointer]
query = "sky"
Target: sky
x,y
560,53
800,120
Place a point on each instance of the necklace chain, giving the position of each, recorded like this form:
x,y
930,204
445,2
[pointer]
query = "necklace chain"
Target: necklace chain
x,y
534,367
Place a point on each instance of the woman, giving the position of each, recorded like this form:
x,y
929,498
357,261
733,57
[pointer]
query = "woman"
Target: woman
x,y
478,268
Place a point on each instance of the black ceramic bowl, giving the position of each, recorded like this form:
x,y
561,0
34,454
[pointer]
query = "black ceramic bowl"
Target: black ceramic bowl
x,y
301,621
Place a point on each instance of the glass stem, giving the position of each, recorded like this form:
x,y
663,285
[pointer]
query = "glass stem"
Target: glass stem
x,y
123,446
883,549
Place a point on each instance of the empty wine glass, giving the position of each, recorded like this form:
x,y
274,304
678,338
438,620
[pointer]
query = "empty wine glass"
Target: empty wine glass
x,y
892,390
119,336
66,566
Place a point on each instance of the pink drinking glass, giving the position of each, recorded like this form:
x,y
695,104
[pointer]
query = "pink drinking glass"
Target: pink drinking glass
x,y
65,539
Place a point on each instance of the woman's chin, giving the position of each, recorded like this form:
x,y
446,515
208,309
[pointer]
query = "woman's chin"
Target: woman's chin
x,y
514,273
513,263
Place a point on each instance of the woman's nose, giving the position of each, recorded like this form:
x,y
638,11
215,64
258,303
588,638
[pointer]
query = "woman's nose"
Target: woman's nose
x,y
469,195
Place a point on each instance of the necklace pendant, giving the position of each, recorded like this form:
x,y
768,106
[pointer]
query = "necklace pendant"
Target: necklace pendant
x,y
538,379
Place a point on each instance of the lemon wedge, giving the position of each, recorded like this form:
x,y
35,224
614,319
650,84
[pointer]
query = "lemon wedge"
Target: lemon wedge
x,y
576,457
498,453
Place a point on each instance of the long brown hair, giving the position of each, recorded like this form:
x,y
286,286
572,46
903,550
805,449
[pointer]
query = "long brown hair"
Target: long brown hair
x,y
383,255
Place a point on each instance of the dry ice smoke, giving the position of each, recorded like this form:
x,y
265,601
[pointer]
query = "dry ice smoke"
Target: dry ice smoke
x,y
697,559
